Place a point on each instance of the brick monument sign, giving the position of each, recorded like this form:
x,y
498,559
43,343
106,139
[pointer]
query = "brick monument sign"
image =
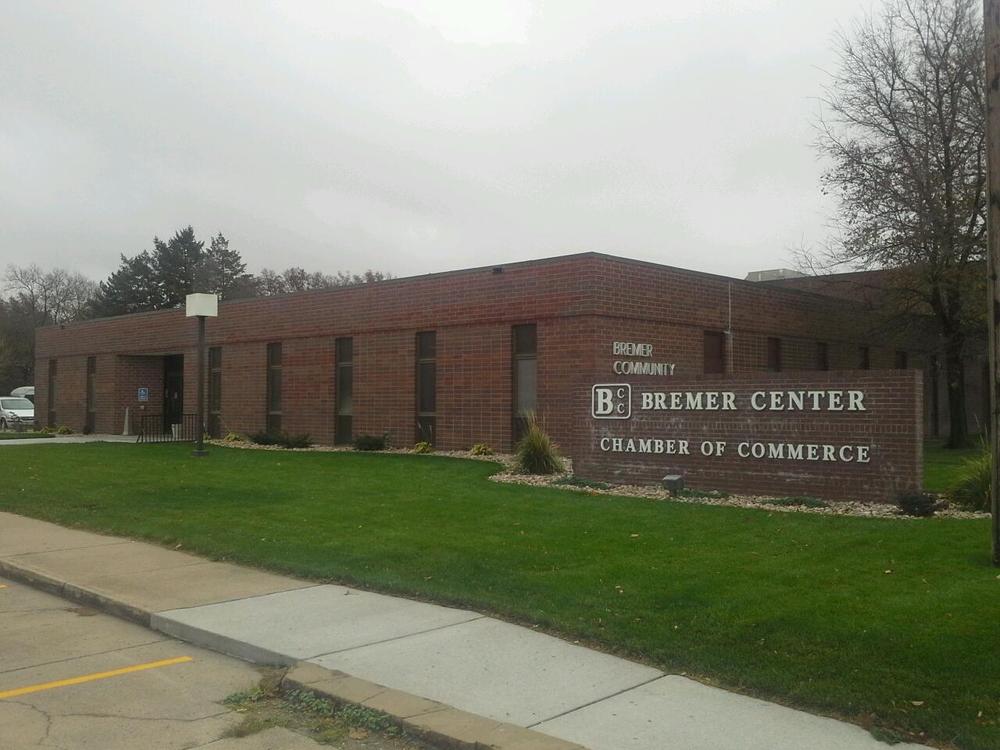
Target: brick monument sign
x,y
834,435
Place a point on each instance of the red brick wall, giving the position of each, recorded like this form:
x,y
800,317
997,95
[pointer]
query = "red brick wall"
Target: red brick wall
x,y
579,304
473,386
890,426
132,374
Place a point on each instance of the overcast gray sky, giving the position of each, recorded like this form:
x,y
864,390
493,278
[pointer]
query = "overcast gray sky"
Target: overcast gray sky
x,y
414,136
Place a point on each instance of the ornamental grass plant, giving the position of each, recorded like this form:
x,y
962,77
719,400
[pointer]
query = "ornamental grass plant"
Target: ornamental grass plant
x,y
536,453
972,488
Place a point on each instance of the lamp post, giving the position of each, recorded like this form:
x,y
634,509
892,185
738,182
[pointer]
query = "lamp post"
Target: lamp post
x,y
201,306
991,18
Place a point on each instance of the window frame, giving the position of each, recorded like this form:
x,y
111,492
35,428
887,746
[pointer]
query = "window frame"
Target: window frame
x,y
524,348
214,392
864,358
425,359
714,335
343,364
273,416
774,354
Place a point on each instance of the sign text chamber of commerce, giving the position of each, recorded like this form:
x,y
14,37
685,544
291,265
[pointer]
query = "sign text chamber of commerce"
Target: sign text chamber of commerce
x,y
614,401
850,435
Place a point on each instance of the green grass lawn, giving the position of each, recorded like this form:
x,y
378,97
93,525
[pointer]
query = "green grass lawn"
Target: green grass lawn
x,y
890,622
942,466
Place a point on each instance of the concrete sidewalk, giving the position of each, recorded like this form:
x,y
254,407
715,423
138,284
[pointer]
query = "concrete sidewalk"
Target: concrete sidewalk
x,y
64,439
452,673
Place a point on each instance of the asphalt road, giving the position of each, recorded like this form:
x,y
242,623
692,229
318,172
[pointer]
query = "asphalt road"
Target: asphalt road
x,y
72,678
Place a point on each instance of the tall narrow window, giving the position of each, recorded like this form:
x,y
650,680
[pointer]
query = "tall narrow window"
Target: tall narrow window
x,y
273,425
715,352
774,354
525,376
343,427
215,391
864,358
902,360
426,386
822,356
935,397
52,393
91,417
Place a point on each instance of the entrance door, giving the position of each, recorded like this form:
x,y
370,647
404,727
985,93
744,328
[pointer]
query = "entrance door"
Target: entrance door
x,y
173,390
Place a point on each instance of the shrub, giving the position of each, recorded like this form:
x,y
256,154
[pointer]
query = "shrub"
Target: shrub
x,y
296,441
535,452
481,449
48,430
282,439
972,488
64,430
423,447
919,504
233,437
370,442
265,438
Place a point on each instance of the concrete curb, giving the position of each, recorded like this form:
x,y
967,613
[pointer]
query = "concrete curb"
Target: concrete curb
x,y
81,594
433,722
436,723
221,643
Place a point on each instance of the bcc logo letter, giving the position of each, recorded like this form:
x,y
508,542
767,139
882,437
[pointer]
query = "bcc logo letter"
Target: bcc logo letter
x,y
611,401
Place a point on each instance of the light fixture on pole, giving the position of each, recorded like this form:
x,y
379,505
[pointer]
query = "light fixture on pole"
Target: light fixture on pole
x,y
201,306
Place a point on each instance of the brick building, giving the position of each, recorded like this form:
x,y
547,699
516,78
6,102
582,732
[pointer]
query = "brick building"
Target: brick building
x,y
455,358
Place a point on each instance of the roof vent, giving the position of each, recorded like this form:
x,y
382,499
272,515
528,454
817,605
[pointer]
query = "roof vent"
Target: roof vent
x,y
774,274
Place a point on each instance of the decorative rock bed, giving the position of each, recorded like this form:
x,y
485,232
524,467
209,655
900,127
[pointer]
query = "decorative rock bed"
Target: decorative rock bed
x,y
561,482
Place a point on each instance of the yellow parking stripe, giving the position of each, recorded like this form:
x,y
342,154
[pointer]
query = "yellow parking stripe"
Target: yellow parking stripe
x,y
3,585
91,677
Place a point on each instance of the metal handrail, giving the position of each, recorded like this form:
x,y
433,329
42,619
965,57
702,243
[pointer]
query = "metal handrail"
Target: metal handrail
x,y
154,428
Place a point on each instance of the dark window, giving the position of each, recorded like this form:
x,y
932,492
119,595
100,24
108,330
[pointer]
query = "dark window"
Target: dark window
x,y
902,360
715,352
524,375
52,393
343,427
864,358
935,397
822,356
774,354
91,417
273,425
426,386
215,391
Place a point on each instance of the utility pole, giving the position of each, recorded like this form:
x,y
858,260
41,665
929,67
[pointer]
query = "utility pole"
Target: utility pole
x,y
991,19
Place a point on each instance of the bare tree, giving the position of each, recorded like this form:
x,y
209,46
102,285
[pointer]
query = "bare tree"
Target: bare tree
x,y
35,298
904,128
55,296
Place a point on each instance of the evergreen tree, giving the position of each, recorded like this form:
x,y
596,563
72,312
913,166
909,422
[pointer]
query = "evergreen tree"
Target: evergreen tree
x,y
162,278
225,272
180,266
133,287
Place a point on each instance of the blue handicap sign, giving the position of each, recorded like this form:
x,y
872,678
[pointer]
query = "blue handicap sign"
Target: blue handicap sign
x,y
144,394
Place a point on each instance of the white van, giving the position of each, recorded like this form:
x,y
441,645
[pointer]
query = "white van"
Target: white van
x,y
25,391
16,412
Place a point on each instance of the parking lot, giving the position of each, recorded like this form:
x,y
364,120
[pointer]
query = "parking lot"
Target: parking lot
x,y
74,678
